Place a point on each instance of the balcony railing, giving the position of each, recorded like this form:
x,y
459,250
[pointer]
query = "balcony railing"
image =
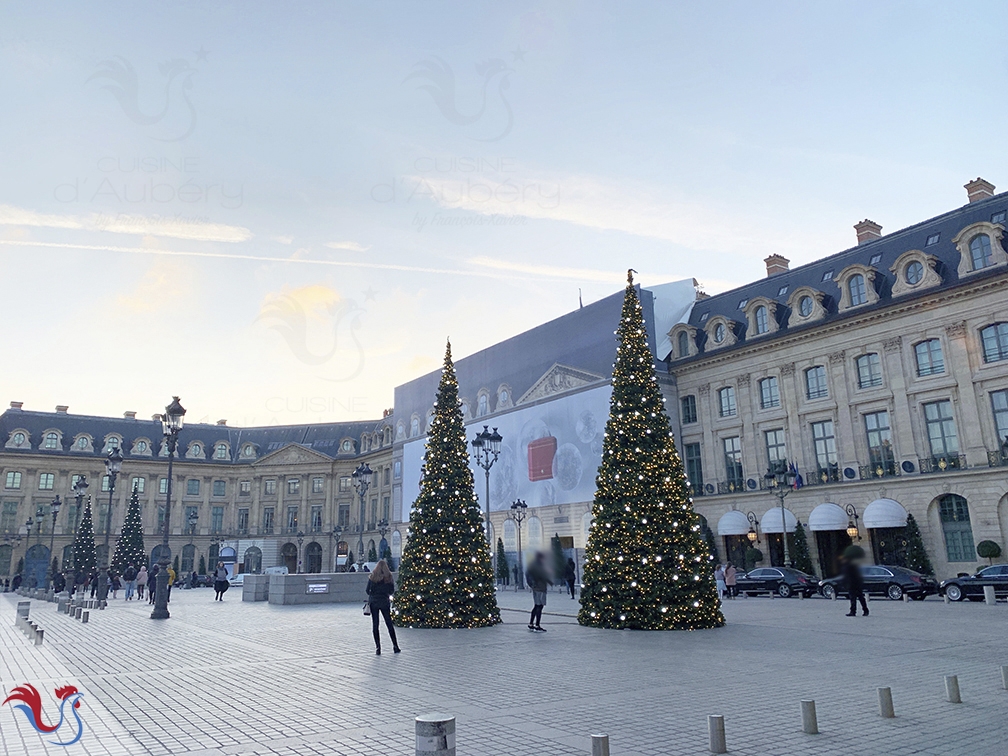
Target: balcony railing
x,y
942,463
878,470
997,458
243,531
732,487
821,476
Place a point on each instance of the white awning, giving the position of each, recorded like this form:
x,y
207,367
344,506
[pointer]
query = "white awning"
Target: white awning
x,y
828,516
771,520
733,523
884,513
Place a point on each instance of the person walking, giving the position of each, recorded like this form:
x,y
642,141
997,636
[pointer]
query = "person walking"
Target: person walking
x,y
538,579
221,581
171,581
380,587
152,583
94,583
729,578
855,586
129,578
141,581
116,584
571,576
719,578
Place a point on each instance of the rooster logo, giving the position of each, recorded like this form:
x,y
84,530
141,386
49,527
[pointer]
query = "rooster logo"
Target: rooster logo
x,y
177,117
31,707
441,88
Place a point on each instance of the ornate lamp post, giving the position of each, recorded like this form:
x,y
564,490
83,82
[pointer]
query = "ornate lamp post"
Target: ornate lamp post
x,y
518,510
337,532
28,527
852,524
300,540
486,449
80,488
54,507
753,534
361,481
113,464
781,479
171,423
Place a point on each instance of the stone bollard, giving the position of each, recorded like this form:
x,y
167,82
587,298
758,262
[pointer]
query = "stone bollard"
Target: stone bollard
x,y
809,723
77,612
833,596
84,617
1004,677
600,745
38,636
715,732
885,706
952,689
947,600
435,735
906,598
989,598
22,608
802,595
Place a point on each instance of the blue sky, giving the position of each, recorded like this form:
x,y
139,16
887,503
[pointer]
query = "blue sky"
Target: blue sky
x,y
280,212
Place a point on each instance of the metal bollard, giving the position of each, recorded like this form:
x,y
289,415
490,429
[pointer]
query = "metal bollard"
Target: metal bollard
x,y
1004,677
989,598
885,706
38,636
435,735
84,617
715,731
809,723
77,613
600,745
952,689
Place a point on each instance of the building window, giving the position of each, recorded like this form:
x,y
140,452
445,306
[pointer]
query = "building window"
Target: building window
x,y
880,450
197,450
719,333
998,217
733,461
344,516
805,307
827,276
869,370
689,414
163,486
386,507
245,488
103,512
856,288
316,519
82,443
269,487
141,447
955,520
8,521
913,273
292,519
980,251
106,481
243,519
999,403
221,452
220,488
929,357
268,520
742,303
317,485
51,441
344,483
683,340
112,443
776,447
293,486
995,342
815,383
762,320
769,393
932,240
941,429
191,514
217,520
782,291
19,438
824,441
694,467
726,396
138,484
875,259
160,518
13,480
192,487
46,481
397,469
388,476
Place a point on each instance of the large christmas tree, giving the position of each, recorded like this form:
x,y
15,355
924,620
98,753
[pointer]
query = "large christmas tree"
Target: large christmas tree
x,y
647,565
130,546
445,575
85,553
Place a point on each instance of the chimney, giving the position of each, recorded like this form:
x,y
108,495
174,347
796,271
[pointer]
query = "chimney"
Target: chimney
x,y
978,189
156,417
867,231
129,415
62,408
16,405
222,422
776,264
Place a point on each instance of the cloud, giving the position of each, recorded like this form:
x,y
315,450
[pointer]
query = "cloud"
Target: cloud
x,y
167,284
352,246
282,239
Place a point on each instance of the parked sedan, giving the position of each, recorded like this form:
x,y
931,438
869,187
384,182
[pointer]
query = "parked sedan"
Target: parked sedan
x,y
784,581
885,580
972,586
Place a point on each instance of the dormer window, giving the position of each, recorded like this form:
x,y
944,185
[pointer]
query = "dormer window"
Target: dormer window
x,y
875,259
19,439
719,333
932,240
856,289
683,344
827,276
782,291
112,442
742,304
141,446
762,322
683,341
857,286
82,443
805,306
221,451
980,248
980,251
248,450
51,441
913,273
998,217
348,444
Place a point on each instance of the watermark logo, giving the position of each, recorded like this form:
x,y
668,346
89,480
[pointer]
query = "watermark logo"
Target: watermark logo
x,y
173,117
31,707
493,113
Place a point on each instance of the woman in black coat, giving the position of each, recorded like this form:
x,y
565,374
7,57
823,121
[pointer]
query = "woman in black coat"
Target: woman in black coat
x,y
380,587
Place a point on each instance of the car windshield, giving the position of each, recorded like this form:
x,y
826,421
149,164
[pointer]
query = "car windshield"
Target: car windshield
x,y
797,573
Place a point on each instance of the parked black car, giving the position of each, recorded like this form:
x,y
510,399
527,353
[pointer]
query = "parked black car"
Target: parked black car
x,y
885,580
784,581
972,586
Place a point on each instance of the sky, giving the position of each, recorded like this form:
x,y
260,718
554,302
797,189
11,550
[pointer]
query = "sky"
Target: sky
x,y
280,211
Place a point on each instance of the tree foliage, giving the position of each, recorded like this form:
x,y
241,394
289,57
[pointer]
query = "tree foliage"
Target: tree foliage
x,y
801,556
914,554
130,545
85,553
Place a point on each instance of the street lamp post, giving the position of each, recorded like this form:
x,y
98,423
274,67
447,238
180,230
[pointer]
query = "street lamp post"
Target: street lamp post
x,y
300,540
781,478
337,532
361,481
518,510
853,531
193,519
753,534
54,507
486,448
171,424
28,527
39,524
80,488
113,464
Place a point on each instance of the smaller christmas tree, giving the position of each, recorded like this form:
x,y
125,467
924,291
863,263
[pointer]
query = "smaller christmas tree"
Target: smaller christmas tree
x,y
130,546
372,555
503,573
802,558
914,555
85,553
202,565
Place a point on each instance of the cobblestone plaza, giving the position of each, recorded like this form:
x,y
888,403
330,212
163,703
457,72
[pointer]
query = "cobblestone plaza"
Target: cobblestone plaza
x,y
244,678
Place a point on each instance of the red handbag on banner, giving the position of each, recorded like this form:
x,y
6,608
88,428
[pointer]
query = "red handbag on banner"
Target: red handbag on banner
x,y
540,458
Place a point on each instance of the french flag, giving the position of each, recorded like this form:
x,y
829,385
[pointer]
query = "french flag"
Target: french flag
x,y
798,482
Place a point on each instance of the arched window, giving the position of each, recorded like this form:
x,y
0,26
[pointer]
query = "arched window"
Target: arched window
x,y
869,371
482,405
313,557
815,383
856,287
188,558
980,251
762,321
913,273
805,307
51,441
252,560
995,342
683,344
955,520
414,428
221,451
719,333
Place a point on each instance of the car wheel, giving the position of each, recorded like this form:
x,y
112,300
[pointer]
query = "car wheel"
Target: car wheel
x,y
829,592
784,590
954,592
894,592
